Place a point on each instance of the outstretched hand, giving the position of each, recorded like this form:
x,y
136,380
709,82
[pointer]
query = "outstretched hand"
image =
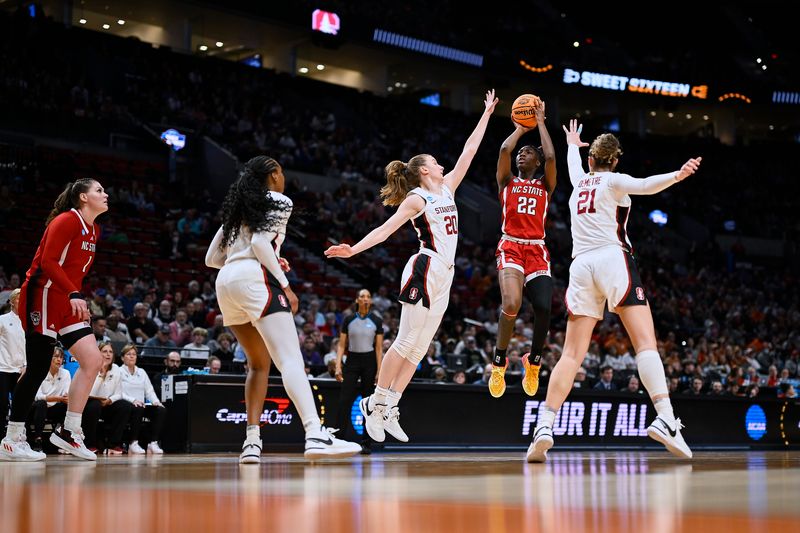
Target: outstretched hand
x,y
688,168
490,102
574,133
340,250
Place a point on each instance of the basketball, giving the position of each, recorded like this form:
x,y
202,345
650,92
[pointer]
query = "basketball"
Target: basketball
x,y
523,110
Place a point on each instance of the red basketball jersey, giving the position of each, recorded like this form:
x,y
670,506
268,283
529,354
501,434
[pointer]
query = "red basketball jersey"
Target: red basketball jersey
x,y
524,208
65,254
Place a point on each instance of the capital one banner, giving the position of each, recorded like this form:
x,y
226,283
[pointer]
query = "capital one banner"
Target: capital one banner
x,y
466,415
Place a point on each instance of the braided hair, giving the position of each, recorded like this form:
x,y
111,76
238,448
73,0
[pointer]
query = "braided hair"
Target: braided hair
x,y
248,202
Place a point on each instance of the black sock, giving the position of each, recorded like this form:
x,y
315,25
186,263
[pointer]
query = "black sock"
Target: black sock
x,y
535,360
39,353
499,357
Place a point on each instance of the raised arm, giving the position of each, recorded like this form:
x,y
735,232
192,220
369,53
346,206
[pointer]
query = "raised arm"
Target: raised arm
x,y
409,207
215,258
548,149
574,142
624,184
454,177
503,174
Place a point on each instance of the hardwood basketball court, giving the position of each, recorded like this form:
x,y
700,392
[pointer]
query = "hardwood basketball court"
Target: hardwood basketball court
x,y
406,492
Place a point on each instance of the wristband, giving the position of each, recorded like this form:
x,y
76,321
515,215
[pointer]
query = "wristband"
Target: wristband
x,y
75,296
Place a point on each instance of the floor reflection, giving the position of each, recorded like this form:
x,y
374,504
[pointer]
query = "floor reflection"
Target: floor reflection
x,y
592,491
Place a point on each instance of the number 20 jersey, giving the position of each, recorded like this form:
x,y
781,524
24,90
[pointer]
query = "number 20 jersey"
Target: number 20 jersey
x,y
437,224
523,204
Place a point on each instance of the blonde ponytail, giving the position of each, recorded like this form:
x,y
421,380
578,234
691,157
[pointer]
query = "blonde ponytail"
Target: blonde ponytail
x,y
401,178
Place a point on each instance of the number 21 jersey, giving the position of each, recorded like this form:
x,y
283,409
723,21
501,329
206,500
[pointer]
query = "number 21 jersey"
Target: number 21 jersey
x,y
598,213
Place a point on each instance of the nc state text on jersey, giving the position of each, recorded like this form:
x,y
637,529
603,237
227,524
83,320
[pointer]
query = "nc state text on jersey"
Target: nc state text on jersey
x,y
527,189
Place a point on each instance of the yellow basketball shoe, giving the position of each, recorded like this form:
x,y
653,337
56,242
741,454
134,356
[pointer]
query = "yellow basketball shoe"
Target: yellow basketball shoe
x,y
497,383
530,383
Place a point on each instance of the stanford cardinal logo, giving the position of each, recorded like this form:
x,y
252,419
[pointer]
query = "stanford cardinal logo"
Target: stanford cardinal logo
x,y
282,300
413,294
640,293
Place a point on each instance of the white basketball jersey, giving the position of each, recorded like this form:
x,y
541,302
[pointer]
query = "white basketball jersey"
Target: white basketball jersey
x,y
599,215
242,247
437,224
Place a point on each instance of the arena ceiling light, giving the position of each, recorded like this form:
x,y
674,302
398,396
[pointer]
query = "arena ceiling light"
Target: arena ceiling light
x,y
320,67
303,70
203,48
220,44
538,70
737,96
426,47
121,22
82,21
106,26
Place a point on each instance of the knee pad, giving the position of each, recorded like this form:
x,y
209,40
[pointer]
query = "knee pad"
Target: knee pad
x,y
539,291
402,347
416,355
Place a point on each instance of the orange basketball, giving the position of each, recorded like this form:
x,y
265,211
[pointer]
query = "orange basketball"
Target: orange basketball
x,y
523,110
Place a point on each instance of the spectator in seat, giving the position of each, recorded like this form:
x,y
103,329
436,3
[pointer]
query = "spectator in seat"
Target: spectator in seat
x,y
159,345
310,353
128,300
197,349
97,305
172,367
226,348
606,382
697,387
214,365
580,379
163,315
116,331
137,389
140,327
180,329
106,402
716,388
99,329
487,374
633,386
51,398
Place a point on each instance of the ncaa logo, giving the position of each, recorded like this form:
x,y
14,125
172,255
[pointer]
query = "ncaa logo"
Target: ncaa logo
x,y
640,293
36,318
282,300
413,294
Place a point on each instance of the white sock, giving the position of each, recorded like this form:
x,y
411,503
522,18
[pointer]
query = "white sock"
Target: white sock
x,y
253,432
546,416
72,422
380,395
651,372
664,409
285,350
15,430
392,398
